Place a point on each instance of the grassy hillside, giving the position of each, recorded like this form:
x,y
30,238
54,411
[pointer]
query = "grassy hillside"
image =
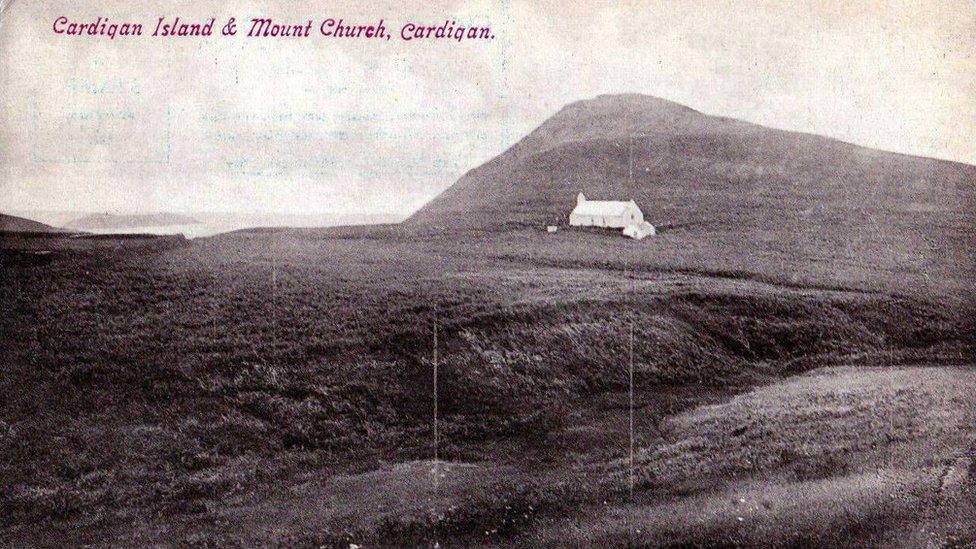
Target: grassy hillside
x,y
12,223
871,454
742,196
270,366
684,167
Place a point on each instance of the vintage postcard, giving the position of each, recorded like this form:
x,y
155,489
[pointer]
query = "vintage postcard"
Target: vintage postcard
x,y
488,273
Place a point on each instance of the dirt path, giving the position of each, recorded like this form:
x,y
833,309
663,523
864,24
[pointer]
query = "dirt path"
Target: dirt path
x,y
955,483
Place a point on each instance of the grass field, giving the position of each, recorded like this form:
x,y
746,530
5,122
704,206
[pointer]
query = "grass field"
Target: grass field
x,y
839,456
275,387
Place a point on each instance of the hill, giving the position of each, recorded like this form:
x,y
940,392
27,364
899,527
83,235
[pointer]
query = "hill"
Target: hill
x,y
116,221
691,167
12,223
728,197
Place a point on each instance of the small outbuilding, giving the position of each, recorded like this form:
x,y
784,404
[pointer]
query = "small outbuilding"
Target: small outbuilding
x,y
638,231
614,214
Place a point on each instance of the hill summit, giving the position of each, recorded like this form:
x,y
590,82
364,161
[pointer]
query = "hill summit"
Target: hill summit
x,y
683,166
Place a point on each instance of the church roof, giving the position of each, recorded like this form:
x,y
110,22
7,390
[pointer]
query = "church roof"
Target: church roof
x,y
603,207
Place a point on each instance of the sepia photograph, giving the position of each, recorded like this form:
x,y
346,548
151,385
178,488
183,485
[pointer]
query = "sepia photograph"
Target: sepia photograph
x,y
488,273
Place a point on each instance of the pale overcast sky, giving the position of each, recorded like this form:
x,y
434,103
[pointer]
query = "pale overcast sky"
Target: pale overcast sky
x,y
332,125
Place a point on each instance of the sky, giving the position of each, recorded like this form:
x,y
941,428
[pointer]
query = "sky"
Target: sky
x,y
329,125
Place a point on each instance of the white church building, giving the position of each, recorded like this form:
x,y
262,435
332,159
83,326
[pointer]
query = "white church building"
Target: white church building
x,y
614,214
604,213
